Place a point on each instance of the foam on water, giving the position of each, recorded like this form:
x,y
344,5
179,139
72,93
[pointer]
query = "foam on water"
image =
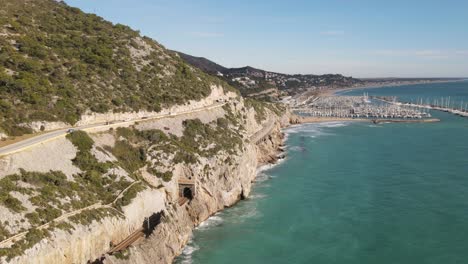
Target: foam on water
x,y
296,148
258,196
315,129
267,167
214,220
333,124
261,177
187,253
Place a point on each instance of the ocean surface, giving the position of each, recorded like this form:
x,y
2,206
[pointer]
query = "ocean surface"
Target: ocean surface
x,y
354,193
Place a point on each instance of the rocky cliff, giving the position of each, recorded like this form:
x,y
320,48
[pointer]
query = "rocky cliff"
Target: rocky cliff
x,y
220,188
158,145
129,179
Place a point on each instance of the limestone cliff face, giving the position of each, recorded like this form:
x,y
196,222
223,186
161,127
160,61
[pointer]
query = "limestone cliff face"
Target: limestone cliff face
x,y
89,242
222,187
270,147
220,180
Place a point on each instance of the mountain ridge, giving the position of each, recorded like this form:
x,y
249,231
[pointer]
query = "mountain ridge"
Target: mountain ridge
x,y
269,85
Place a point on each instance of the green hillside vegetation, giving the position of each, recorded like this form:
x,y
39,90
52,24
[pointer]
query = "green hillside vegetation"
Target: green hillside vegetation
x,y
198,140
57,62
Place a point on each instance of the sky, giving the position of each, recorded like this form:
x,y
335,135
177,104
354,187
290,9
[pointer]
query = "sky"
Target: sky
x,y
359,38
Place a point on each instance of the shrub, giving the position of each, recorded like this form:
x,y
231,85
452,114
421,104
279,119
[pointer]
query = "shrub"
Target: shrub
x,y
11,203
81,140
32,237
3,232
129,195
130,158
15,130
166,176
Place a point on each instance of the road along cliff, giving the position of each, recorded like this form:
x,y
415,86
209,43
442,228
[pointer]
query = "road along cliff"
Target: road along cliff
x,y
133,192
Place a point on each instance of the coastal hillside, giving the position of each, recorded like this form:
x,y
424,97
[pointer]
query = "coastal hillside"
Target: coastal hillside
x,y
58,64
156,147
267,85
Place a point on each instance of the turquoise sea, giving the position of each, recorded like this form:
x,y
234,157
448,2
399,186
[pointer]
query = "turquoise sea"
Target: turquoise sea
x,y
354,193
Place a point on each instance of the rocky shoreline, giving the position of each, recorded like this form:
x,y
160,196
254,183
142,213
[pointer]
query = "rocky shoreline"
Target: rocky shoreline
x,y
213,195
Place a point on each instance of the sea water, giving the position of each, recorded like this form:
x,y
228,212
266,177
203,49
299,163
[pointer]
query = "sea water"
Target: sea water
x,y
352,192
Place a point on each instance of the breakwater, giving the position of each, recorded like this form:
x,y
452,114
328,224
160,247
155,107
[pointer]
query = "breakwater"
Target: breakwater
x,y
311,119
429,120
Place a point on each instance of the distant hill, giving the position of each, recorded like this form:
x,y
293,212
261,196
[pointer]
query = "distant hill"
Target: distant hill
x,y
202,63
264,84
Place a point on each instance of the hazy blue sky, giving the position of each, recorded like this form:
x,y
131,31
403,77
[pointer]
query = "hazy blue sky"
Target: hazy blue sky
x,y
368,38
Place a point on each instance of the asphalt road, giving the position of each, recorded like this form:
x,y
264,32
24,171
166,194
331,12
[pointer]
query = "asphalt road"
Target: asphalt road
x,y
39,139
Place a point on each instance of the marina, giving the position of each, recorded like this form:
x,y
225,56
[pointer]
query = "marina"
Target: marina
x,y
358,107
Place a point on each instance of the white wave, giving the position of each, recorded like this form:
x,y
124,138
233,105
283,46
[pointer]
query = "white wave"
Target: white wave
x,y
269,166
286,137
280,160
333,124
296,148
315,129
187,253
258,196
261,177
244,213
306,128
254,213
214,220
264,168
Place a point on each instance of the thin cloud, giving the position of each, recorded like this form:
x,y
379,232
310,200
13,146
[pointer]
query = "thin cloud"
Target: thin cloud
x,y
212,19
199,34
462,52
432,54
428,54
332,33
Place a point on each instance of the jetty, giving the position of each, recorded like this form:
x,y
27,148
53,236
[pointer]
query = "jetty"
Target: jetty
x,y
311,119
430,120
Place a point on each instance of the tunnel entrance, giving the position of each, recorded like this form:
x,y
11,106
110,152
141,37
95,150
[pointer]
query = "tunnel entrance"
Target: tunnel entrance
x,y
188,193
186,190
